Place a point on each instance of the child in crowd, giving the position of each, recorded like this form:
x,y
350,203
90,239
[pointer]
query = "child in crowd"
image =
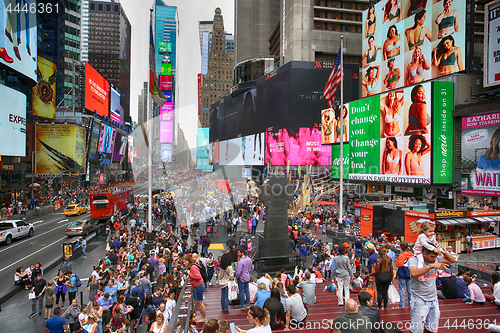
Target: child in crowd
x,y
356,283
217,267
319,278
476,294
328,267
427,239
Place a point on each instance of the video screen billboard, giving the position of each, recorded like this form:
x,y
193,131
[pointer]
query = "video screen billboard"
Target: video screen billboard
x,y
394,134
120,147
167,112
12,122
59,148
168,95
106,139
491,73
302,147
214,152
94,140
166,82
281,100
406,42
44,93
18,38
166,68
166,152
202,142
480,159
115,111
166,131
96,92
330,126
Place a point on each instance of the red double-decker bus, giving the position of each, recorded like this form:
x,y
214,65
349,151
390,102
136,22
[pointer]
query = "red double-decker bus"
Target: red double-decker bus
x,y
107,200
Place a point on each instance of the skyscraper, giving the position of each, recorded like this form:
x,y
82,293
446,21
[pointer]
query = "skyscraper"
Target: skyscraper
x,y
106,45
218,79
142,107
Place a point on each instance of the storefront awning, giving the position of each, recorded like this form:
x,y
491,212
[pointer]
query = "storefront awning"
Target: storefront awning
x,y
458,221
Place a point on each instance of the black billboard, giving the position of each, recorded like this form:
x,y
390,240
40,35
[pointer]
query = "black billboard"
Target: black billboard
x,y
290,97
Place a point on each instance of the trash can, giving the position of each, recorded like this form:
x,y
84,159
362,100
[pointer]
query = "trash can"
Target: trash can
x,y
72,249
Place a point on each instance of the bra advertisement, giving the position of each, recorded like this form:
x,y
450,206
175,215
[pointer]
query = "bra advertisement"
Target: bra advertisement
x,y
411,41
393,135
480,154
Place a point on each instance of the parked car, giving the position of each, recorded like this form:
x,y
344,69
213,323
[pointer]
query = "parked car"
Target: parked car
x,y
81,228
15,229
75,209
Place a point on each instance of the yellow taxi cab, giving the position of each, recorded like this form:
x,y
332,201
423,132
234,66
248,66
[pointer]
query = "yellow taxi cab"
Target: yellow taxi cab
x,y
75,209
164,194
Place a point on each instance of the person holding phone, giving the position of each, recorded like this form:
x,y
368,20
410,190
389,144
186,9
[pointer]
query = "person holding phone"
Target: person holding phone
x,y
259,318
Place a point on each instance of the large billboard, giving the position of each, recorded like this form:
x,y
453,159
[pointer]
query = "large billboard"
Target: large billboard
x,y
96,91
330,126
282,99
12,122
115,111
44,93
394,135
491,71
302,147
167,112
106,139
166,131
166,152
166,82
480,154
203,150
94,140
407,42
59,148
18,37
248,150
120,147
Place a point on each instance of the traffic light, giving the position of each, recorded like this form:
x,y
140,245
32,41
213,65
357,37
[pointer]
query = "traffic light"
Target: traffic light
x,y
70,173
78,174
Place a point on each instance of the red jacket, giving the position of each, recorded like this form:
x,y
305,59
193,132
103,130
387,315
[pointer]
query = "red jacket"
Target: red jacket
x,y
403,257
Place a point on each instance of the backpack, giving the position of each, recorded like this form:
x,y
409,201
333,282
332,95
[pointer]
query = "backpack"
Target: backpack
x,y
78,282
203,272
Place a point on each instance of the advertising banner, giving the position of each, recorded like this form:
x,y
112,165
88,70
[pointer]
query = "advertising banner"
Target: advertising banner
x,y
168,96
94,140
214,152
407,42
166,152
18,26
202,149
166,131
335,169
166,82
166,68
44,93
480,154
203,164
252,149
106,139
230,152
302,147
120,147
115,111
12,122
96,92
330,126
167,112
491,71
59,148
391,136
442,151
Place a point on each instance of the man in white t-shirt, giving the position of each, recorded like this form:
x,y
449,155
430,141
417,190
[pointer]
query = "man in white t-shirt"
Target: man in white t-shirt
x,y
267,280
296,312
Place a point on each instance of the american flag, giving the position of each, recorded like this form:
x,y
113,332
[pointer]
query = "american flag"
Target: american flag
x,y
333,81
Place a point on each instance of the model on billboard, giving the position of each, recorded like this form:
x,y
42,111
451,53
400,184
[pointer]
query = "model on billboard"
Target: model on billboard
x,y
392,44
327,121
390,110
337,126
416,6
371,54
419,146
417,114
393,11
446,54
371,22
370,79
14,35
490,161
392,160
447,21
415,36
415,70
248,118
394,75
3,52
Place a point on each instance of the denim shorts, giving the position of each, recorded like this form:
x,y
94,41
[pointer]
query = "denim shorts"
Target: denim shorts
x,y
424,314
198,292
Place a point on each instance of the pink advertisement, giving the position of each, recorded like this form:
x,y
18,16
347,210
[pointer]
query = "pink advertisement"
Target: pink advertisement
x,y
166,131
491,119
166,82
166,111
302,147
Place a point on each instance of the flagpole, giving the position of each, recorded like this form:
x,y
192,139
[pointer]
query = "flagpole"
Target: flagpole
x,y
150,149
341,111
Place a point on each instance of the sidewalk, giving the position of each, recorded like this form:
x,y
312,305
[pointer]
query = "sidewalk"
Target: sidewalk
x,y
17,309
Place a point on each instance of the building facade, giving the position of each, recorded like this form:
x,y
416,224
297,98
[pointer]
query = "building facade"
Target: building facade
x,y
218,79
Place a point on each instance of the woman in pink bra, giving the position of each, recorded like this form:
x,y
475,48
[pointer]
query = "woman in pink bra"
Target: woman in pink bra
x,y
392,158
415,70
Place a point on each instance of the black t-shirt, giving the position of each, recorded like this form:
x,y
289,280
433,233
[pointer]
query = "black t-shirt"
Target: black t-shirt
x,y
39,285
35,272
113,258
449,289
234,255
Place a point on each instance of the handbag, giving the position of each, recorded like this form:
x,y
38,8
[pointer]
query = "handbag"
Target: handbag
x,y
393,294
31,295
232,290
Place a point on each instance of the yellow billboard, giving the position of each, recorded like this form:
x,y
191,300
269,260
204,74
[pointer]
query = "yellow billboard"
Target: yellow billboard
x,y
44,93
59,148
